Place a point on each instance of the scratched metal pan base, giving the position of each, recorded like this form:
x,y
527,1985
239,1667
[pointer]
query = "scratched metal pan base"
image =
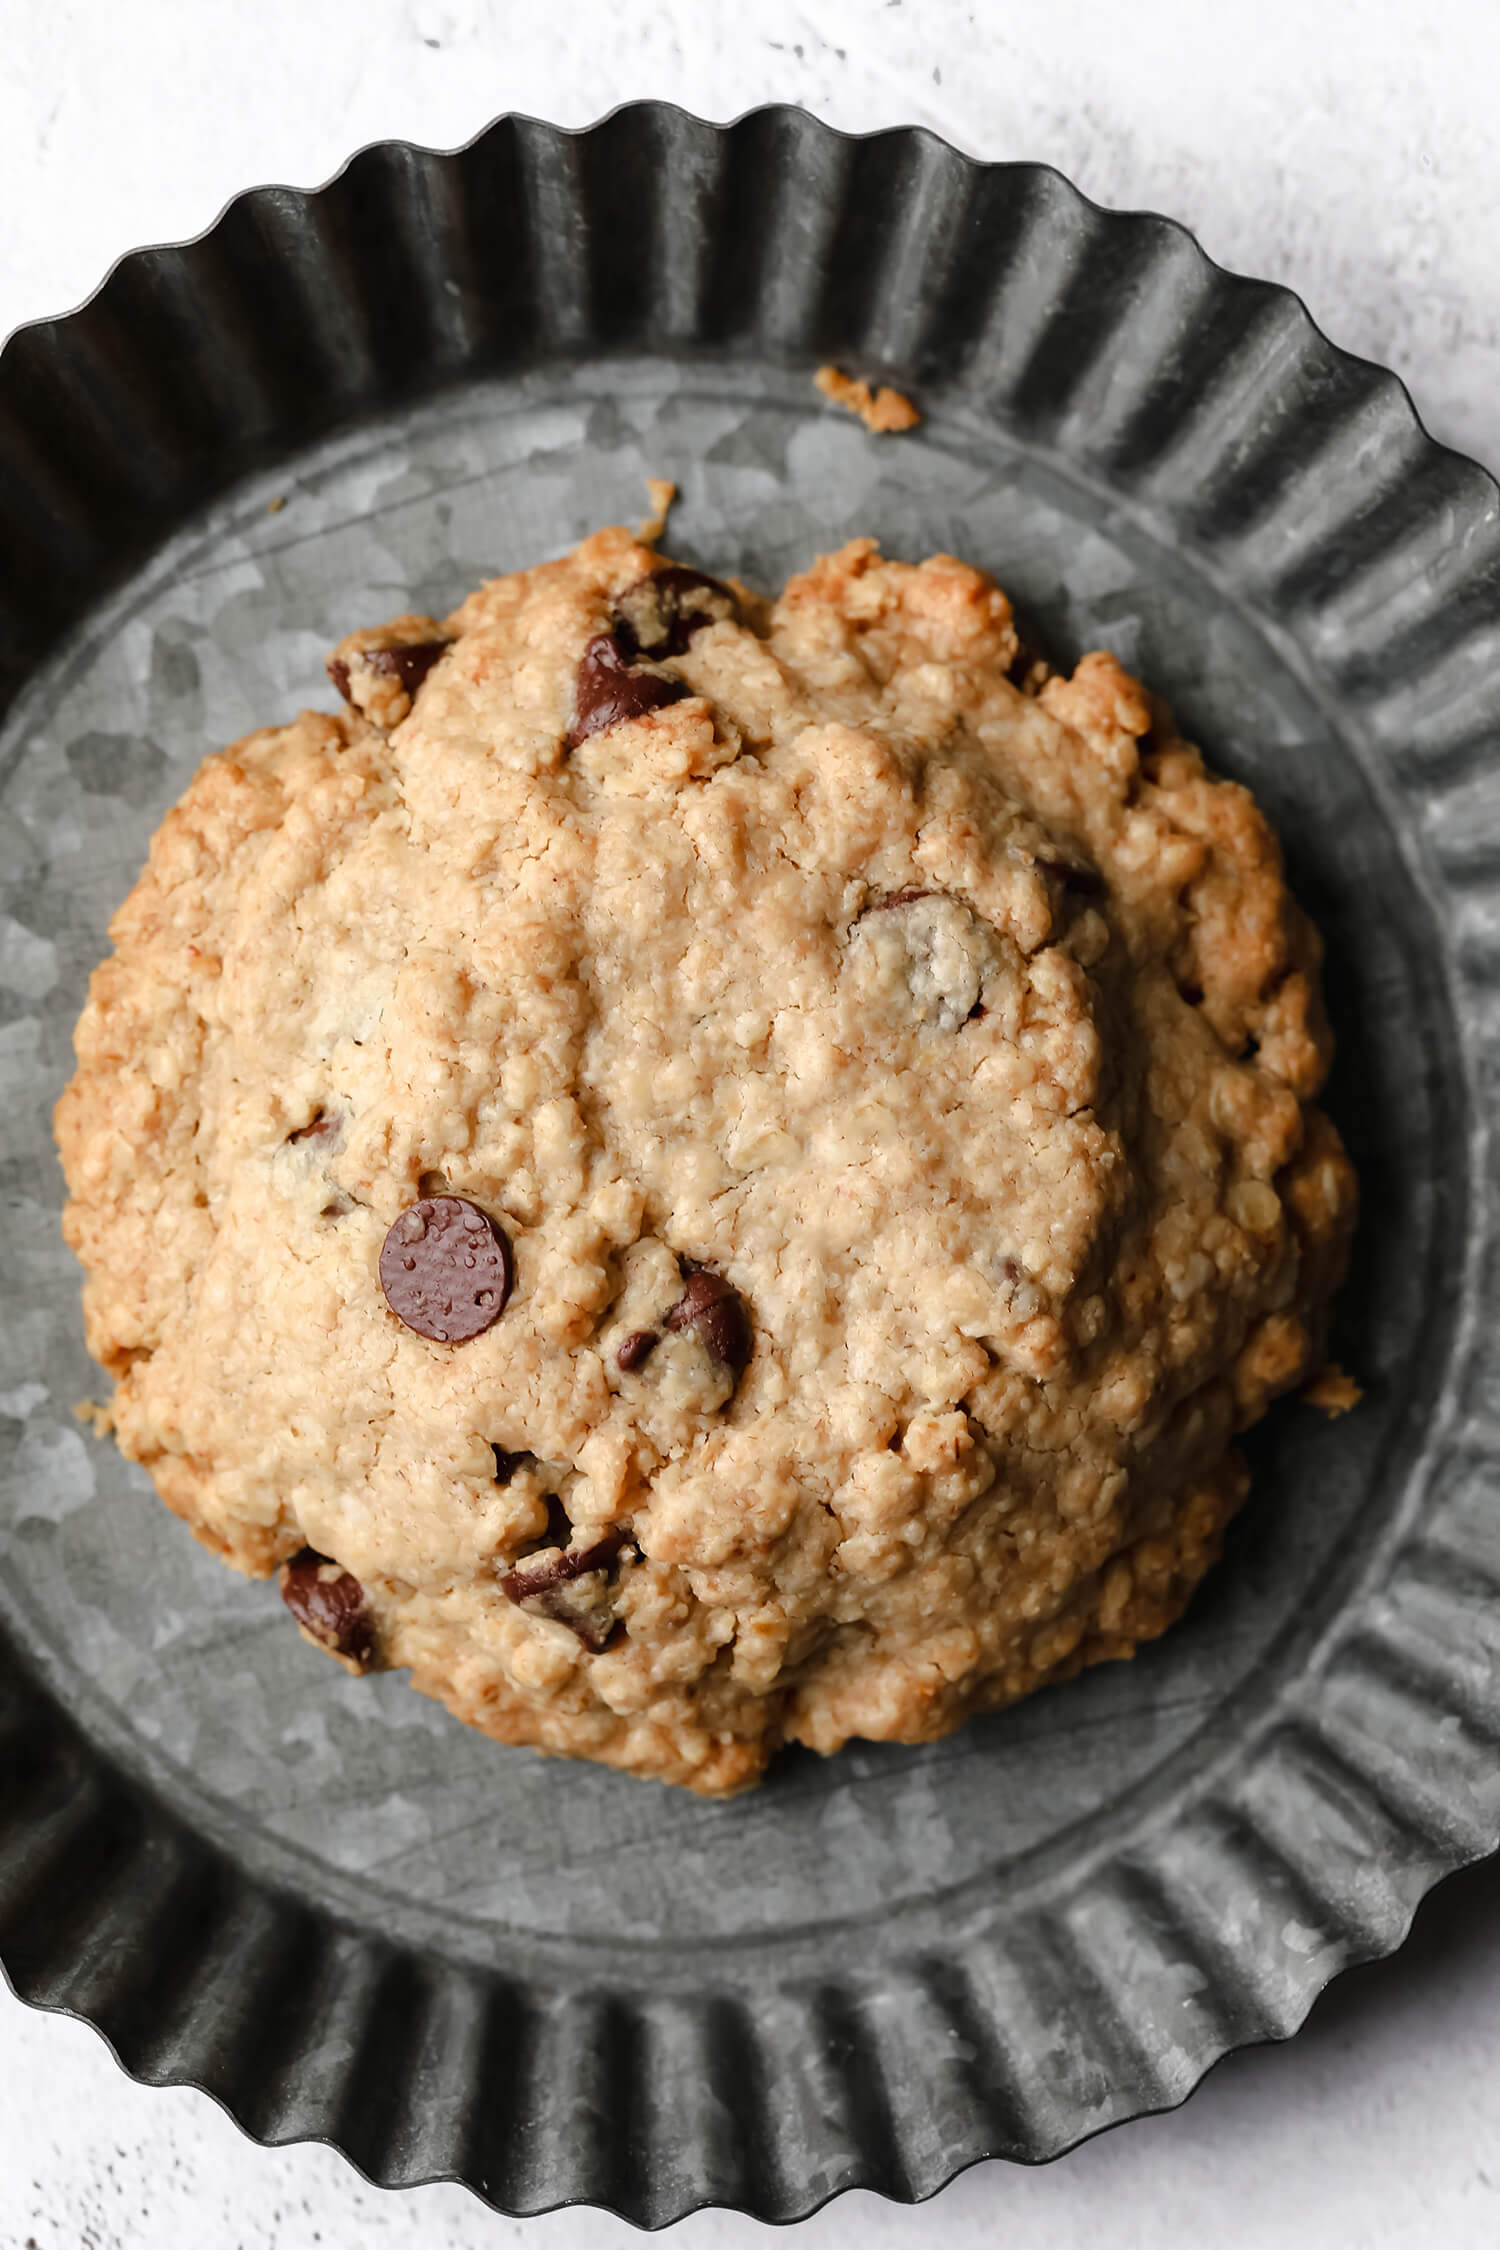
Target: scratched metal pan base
x,y
322,1899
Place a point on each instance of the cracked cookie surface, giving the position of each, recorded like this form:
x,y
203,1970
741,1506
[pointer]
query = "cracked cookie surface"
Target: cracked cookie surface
x,y
874,1100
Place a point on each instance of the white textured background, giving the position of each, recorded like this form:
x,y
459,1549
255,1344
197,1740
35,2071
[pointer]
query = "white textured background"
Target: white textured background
x,y
1348,147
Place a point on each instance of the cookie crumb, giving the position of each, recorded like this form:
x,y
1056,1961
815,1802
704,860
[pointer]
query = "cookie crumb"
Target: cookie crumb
x,y
883,412
274,507
1333,1391
661,492
100,1418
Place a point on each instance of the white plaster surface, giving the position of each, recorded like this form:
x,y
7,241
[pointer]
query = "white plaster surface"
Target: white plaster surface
x,y
1345,146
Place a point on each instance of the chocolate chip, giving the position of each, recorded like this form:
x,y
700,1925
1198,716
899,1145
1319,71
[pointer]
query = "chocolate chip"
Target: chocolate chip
x,y
572,1588
636,1349
445,1268
540,1576
611,689
717,1313
409,662
659,614
330,1605
900,898
319,1127
587,1608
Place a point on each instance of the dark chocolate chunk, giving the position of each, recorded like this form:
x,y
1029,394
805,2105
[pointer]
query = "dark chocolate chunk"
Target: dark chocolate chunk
x,y
541,1574
636,1349
445,1268
610,689
409,662
330,1605
660,613
710,1306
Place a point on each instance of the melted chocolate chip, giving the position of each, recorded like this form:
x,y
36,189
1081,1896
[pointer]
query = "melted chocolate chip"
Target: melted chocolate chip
x,y
319,1127
660,613
409,662
587,1608
636,1349
445,1268
718,1314
571,1587
546,1571
611,689
330,1605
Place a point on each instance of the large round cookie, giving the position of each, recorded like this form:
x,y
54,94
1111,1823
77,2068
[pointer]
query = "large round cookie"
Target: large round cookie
x,y
702,1176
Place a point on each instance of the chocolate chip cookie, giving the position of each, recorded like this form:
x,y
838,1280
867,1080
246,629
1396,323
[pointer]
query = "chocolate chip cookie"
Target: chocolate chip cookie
x,y
701,1175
